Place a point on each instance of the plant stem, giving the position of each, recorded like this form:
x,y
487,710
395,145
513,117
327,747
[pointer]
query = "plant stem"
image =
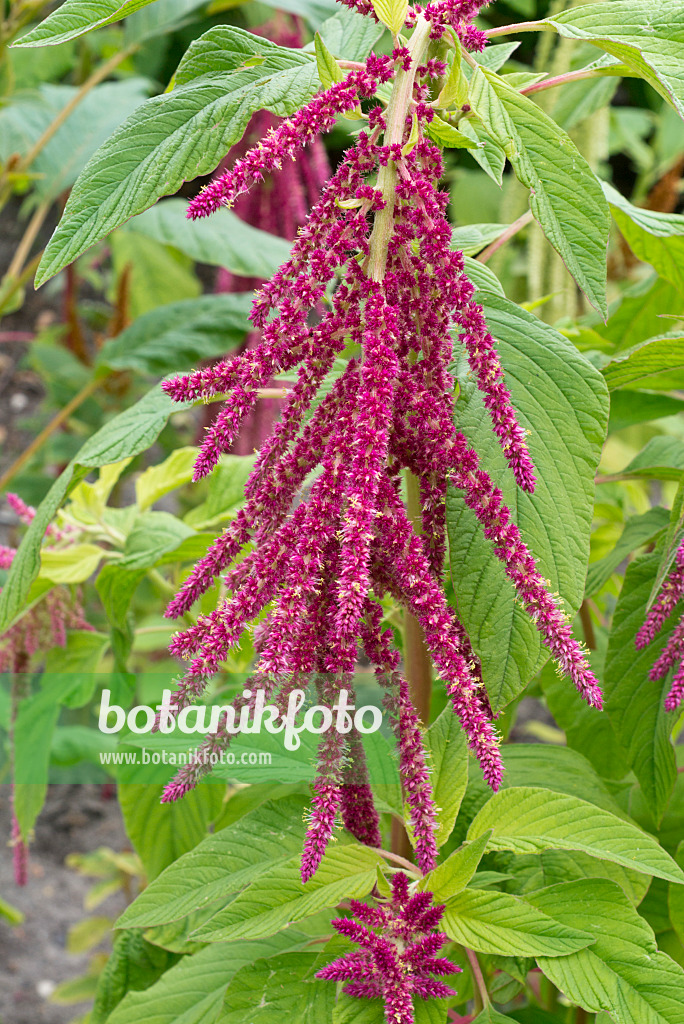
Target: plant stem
x,y
521,26
49,430
479,977
28,238
396,859
395,117
587,626
510,231
551,83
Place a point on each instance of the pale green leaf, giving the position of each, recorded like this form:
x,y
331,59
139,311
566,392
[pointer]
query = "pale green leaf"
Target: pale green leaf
x,y
496,922
565,196
647,363
471,239
221,865
72,564
447,750
178,336
279,897
329,70
391,13
223,240
646,35
638,531
156,481
453,875
563,402
656,238
445,134
530,819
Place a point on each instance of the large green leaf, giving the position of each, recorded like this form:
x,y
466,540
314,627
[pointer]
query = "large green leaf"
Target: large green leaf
x,y
129,433
662,458
634,704
622,972
655,238
638,531
221,865
448,757
178,336
279,988
452,876
538,871
646,35
134,964
528,820
349,34
221,241
224,77
496,922
279,897
100,112
75,17
160,832
192,991
565,196
657,363
563,402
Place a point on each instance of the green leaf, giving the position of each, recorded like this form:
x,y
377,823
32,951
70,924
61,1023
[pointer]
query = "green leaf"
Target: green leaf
x,y
134,964
115,588
279,897
455,90
656,363
447,751
673,541
538,871
179,335
626,409
179,135
563,402
154,534
221,865
156,481
127,434
646,35
528,820
226,493
488,154
638,531
483,277
496,922
675,899
157,275
634,704
223,240
471,239
159,18
161,833
655,238
276,989
622,972
349,34
75,17
73,564
192,991
662,458
491,1016
565,196
445,134
453,875
391,13
329,70
9,913
89,125
638,313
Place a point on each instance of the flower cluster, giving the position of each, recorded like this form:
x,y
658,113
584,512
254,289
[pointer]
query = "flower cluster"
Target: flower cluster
x,y
671,593
398,952
322,557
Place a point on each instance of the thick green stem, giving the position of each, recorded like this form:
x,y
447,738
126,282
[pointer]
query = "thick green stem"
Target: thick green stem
x,y
395,119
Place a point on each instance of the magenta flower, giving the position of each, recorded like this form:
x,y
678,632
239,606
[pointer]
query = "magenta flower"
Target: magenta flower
x,y
397,956
671,593
321,560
